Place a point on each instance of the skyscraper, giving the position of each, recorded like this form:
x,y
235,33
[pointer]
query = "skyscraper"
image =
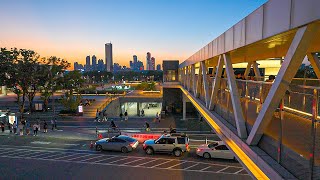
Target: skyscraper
x,y
94,63
148,61
101,66
158,67
75,66
109,61
88,67
152,64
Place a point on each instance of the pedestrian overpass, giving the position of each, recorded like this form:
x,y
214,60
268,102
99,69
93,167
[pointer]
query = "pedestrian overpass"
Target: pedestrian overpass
x,y
270,126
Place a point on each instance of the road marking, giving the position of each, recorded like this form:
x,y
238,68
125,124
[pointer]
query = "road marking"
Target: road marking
x,y
133,161
99,156
79,157
146,163
40,142
43,153
191,166
223,169
105,159
205,168
161,164
238,171
118,160
62,157
175,165
119,165
71,144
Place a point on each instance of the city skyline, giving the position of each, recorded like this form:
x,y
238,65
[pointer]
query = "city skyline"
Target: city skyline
x,y
74,32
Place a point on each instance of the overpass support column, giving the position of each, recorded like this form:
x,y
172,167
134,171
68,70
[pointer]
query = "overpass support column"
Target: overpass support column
x,y
292,61
138,108
216,84
205,83
315,63
256,71
235,98
184,107
246,73
193,77
4,90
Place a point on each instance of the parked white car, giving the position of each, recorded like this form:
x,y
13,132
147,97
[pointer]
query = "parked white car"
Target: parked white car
x,y
215,149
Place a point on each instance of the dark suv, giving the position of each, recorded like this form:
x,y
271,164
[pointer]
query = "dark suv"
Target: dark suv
x,y
174,143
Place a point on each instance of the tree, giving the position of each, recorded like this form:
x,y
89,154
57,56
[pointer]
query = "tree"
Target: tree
x,y
52,70
71,82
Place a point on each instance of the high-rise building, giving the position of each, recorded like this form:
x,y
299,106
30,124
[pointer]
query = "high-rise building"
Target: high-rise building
x,y
94,63
152,64
140,66
109,61
88,67
131,65
116,67
75,66
158,67
148,61
100,65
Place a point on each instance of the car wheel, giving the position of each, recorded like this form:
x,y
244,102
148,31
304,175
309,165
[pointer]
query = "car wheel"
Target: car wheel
x,y
98,148
149,151
177,152
207,155
124,150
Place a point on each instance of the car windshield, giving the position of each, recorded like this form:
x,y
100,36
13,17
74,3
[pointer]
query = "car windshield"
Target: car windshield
x,y
212,145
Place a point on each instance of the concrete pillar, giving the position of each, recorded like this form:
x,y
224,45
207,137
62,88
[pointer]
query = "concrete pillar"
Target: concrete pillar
x,y
4,90
138,108
184,107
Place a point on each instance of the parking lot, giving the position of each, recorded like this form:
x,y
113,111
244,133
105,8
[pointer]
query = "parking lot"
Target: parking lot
x,y
166,162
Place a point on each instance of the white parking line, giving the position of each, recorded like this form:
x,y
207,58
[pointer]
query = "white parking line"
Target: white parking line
x,y
238,171
161,164
118,160
79,157
52,155
105,159
145,163
205,168
191,166
62,157
175,165
223,169
133,161
43,153
99,156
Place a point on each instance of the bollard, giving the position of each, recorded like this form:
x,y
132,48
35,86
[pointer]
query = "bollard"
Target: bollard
x,y
206,140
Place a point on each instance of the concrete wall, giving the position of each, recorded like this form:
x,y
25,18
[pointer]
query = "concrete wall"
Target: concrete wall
x,y
113,109
172,98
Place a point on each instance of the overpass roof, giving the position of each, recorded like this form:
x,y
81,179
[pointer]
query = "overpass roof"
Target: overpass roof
x,y
265,33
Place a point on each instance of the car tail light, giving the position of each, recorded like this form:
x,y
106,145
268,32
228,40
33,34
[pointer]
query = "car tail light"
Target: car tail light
x,y
144,145
198,150
187,146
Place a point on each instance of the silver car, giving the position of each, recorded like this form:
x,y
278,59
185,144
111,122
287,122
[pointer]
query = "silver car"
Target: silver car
x,y
118,143
215,149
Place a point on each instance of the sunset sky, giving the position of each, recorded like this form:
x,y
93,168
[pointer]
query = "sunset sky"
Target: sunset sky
x,y
73,29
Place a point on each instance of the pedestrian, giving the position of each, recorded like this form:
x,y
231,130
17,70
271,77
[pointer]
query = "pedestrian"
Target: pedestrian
x,y
2,127
20,128
45,127
27,127
14,126
158,117
105,115
142,112
113,125
35,129
55,123
52,124
121,115
126,116
147,126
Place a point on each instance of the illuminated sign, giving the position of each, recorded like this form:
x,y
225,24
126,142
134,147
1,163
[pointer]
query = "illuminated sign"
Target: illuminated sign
x,y
12,118
80,109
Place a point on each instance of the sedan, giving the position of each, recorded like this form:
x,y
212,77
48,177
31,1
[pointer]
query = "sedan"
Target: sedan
x,y
118,143
215,149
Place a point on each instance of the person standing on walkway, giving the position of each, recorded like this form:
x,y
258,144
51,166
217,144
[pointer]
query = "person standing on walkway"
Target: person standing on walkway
x,y
55,123
158,117
142,113
35,129
126,116
45,127
147,126
27,127
2,127
121,115
52,124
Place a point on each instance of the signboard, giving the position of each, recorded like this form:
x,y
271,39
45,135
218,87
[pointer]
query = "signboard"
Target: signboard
x,y
80,109
12,118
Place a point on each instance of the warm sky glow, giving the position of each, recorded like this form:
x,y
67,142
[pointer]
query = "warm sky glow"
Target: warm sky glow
x,y
73,29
